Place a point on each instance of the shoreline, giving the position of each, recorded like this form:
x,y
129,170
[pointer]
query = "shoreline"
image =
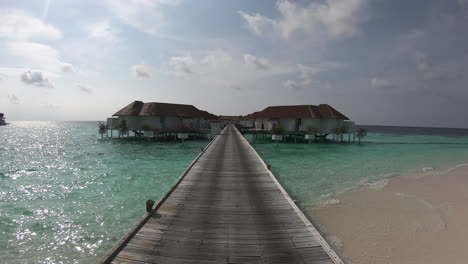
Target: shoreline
x,y
409,218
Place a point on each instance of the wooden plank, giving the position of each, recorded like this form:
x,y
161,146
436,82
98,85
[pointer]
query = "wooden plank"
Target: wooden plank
x,y
226,208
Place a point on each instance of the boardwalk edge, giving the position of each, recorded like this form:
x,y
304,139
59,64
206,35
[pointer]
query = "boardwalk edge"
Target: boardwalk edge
x,y
114,251
330,251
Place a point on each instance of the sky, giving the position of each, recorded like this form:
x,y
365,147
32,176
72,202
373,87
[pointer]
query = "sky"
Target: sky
x,y
379,62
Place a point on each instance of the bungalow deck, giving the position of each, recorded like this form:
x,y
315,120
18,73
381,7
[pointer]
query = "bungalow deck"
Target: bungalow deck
x,y
226,207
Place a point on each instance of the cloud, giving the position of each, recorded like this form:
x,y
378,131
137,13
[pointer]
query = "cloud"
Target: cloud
x,y
182,65
143,15
378,83
257,63
141,71
217,57
50,106
101,30
37,55
35,78
18,25
422,63
234,87
67,67
257,23
290,84
85,88
13,99
335,18
307,74
17,72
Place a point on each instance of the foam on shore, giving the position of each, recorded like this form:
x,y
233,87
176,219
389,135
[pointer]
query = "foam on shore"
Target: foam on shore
x,y
405,219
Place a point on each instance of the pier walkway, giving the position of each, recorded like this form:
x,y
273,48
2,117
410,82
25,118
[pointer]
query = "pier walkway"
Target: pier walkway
x,y
226,208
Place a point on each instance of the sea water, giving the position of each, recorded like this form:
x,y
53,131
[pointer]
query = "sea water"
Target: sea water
x,y
67,197
314,173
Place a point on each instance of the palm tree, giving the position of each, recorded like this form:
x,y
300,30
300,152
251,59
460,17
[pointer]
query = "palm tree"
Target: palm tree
x,y
146,129
102,129
311,130
336,131
123,126
361,132
278,130
343,130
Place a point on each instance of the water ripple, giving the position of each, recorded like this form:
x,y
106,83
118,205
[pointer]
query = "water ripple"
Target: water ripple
x,y
67,197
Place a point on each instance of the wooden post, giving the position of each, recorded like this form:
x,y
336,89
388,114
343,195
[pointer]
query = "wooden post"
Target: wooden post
x,y
149,205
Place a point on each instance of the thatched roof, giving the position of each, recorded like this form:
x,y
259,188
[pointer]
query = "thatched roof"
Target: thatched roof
x,y
297,111
138,108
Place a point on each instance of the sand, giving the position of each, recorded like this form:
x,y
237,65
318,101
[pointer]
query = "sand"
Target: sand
x,y
414,218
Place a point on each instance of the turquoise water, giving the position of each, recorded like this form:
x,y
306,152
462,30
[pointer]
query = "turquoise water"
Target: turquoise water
x,y
67,197
312,173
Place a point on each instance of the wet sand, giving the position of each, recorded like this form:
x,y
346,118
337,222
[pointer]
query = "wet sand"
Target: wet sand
x,y
417,218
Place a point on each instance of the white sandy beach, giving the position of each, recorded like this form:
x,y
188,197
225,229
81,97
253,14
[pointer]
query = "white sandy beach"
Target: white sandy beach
x,y
417,218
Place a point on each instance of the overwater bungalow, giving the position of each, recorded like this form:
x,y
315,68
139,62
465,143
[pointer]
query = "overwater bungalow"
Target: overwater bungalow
x,y
157,116
224,119
298,118
2,119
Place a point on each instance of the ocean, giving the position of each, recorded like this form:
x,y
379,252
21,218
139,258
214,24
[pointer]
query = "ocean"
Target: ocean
x,y
67,197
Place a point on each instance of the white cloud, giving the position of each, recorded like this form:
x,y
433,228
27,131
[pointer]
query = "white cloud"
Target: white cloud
x,y
257,63
144,15
141,71
290,84
232,72
257,23
36,78
101,30
18,25
37,55
13,99
217,57
378,83
67,67
307,74
18,28
85,88
17,72
335,18
182,65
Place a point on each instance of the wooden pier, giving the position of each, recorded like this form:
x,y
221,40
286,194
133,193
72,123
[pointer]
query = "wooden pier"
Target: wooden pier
x,y
226,207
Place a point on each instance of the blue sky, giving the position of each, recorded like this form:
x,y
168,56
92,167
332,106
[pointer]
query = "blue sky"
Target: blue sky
x,y
380,62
